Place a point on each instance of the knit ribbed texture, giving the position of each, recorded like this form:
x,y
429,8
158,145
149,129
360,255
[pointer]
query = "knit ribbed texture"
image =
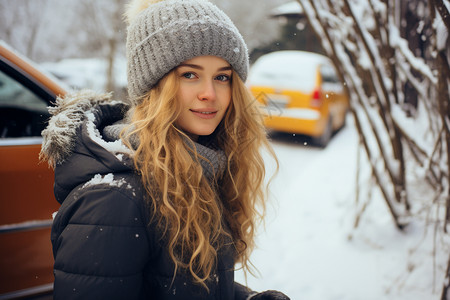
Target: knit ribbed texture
x,y
172,31
213,161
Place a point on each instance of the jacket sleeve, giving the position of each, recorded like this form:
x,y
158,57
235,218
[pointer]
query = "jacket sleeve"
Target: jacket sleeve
x,y
100,246
241,292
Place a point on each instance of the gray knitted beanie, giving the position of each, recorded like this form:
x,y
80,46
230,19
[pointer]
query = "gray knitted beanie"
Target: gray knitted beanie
x,y
164,34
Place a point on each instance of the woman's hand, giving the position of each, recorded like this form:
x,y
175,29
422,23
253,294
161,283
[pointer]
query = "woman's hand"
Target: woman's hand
x,y
269,295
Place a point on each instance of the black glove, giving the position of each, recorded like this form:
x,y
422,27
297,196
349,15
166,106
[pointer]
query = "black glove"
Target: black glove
x,y
269,295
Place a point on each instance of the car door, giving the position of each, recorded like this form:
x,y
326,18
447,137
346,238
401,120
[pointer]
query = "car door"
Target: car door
x,y
335,94
26,186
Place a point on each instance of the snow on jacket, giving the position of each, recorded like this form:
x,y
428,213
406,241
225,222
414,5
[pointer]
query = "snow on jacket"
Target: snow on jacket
x,y
103,242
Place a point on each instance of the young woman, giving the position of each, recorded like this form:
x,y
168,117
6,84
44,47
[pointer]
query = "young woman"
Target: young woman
x,y
159,199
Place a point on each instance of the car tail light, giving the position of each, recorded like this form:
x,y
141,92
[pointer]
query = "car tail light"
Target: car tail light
x,y
316,99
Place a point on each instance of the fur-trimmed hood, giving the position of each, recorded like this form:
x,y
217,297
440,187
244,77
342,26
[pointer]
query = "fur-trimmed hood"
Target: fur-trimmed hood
x,y
75,144
67,116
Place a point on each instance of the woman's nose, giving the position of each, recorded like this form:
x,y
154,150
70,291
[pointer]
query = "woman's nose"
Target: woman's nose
x,y
207,91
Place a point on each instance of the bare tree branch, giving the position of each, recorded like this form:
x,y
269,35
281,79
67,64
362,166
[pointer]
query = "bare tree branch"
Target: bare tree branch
x,y
443,11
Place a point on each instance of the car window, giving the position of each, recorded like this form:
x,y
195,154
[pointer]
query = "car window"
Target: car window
x,y
22,113
328,74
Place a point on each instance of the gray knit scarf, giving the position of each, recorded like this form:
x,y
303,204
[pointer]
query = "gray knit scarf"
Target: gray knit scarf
x,y
213,161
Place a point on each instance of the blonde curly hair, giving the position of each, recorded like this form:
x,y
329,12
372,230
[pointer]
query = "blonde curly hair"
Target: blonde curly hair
x,y
189,210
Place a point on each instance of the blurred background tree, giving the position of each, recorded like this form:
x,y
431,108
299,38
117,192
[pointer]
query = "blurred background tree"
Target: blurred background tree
x,y
52,30
295,32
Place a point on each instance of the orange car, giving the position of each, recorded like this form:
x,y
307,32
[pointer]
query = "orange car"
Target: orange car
x,y
26,186
300,93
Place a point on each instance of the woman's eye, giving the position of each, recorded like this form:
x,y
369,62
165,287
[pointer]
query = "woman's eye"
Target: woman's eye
x,y
188,75
223,78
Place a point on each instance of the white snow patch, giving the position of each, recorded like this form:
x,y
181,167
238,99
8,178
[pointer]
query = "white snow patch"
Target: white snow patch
x,y
441,33
106,179
117,147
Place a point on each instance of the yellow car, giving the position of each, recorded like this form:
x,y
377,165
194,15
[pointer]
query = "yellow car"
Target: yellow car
x,y
300,93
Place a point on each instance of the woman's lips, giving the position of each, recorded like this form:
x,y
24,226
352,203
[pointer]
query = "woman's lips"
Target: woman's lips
x,y
204,114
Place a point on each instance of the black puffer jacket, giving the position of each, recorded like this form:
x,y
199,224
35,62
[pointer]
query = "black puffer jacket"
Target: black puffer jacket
x,y
103,243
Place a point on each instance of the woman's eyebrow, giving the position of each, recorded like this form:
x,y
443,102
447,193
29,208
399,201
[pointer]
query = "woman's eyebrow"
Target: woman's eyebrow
x,y
191,66
198,67
225,68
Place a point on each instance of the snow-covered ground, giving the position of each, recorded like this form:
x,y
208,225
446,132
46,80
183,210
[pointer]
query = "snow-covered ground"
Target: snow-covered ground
x,y
310,248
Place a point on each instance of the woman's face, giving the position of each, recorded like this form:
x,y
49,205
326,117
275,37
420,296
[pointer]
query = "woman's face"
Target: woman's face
x,y
204,94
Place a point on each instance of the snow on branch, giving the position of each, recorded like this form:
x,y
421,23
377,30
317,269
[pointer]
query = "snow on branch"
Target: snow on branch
x,y
396,41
